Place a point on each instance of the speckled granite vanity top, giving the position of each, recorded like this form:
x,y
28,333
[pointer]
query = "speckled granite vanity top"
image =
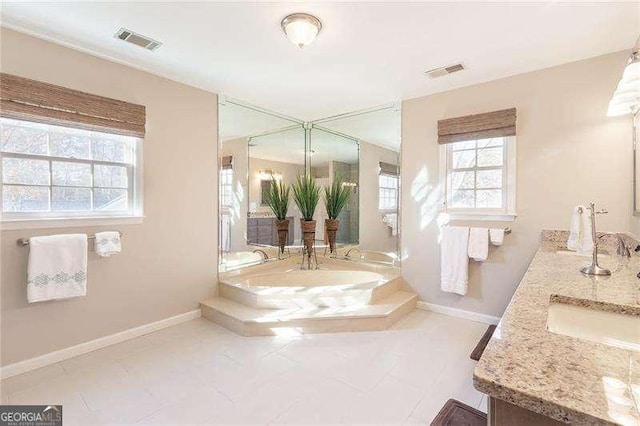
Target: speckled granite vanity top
x,y
566,378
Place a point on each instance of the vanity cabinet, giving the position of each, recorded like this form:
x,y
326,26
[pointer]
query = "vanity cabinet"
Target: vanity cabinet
x,y
262,230
501,413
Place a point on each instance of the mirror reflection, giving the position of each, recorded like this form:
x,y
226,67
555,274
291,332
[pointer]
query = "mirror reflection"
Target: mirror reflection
x,y
636,164
272,165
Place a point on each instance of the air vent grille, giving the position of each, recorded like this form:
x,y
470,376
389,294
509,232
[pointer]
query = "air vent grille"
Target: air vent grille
x,y
442,71
137,39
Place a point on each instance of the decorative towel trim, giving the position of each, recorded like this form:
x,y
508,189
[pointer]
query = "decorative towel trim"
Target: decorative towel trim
x,y
60,278
105,241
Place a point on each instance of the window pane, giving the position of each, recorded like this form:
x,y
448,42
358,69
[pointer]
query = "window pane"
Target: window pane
x,y
485,143
70,143
70,199
489,198
25,198
110,176
110,199
23,139
112,149
489,179
463,159
25,171
490,157
71,174
463,199
463,145
462,180
393,182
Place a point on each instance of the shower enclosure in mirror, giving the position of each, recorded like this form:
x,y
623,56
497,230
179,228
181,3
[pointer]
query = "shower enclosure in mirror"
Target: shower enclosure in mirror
x,y
359,152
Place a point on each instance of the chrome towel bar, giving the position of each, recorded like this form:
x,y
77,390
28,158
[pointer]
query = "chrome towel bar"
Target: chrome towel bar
x,y
25,241
507,230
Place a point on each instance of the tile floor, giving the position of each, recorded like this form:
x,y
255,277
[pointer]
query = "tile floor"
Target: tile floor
x,y
200,373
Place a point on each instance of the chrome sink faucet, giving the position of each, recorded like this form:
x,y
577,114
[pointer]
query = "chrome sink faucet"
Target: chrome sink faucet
x,y
594,268
622,250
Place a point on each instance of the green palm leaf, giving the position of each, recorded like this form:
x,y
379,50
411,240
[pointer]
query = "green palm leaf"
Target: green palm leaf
x,y
336,196
306,195
278,199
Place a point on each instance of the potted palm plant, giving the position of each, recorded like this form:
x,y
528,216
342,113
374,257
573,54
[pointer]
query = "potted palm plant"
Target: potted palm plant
x,y
336,196
306,195
277,198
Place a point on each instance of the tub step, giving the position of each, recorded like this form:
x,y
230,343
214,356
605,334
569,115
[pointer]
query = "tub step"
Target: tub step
x,y
249,321
304,297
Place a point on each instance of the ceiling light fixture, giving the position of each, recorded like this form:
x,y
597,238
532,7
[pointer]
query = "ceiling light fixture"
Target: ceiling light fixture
x,y
301,28
626,98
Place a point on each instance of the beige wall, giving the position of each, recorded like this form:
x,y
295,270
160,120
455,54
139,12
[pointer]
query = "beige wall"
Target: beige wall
x,y
374,234
568,153
169,262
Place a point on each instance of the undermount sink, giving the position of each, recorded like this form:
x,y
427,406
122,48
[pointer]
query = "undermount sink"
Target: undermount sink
x,y
609,328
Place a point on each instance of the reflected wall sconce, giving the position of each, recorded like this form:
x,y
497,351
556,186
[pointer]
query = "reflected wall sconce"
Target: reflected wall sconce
x,y
268,175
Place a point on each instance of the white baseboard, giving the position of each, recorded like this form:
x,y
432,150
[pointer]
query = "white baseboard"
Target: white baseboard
x,y
460,313
92,345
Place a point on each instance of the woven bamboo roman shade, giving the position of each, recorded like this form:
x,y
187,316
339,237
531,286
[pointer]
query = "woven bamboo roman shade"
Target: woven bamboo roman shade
x,y
388,169
227,162
30,100
480,126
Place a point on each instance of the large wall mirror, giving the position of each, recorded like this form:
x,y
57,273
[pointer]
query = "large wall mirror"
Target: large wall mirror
x,y
636,164
359,150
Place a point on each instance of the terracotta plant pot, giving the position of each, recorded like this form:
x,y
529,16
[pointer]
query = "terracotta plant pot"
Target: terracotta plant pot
x,y
331,225
283,230
308,234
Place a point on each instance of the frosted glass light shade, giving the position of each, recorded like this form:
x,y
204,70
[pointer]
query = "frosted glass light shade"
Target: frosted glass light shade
x,y
626,98
301,29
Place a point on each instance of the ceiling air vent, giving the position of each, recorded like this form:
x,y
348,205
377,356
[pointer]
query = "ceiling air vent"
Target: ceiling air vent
x,y
137,39
442,71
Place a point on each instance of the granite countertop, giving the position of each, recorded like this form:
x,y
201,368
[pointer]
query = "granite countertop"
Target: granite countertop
x,y
568,379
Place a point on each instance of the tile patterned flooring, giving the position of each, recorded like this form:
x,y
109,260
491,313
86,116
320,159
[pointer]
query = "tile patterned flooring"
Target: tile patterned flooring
x,y
200,373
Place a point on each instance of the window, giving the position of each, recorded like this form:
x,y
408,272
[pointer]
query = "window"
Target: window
x,y
388,192
480,176
226,187
51,171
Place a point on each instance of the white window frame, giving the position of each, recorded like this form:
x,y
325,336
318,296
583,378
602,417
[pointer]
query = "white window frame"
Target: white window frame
x,y
507,212
397,188
35,220
223,184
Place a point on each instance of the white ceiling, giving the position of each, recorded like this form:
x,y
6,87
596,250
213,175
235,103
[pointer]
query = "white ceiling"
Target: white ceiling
x,y
288,147
236,121
367,53
381,127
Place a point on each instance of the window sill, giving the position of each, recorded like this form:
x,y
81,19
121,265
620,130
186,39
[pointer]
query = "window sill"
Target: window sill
x,y
14,224
499,217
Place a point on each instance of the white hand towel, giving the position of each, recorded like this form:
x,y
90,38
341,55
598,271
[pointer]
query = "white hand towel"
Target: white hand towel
x,y
107,243
225,232
496,235
479,244
580,238
57,267
454,262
